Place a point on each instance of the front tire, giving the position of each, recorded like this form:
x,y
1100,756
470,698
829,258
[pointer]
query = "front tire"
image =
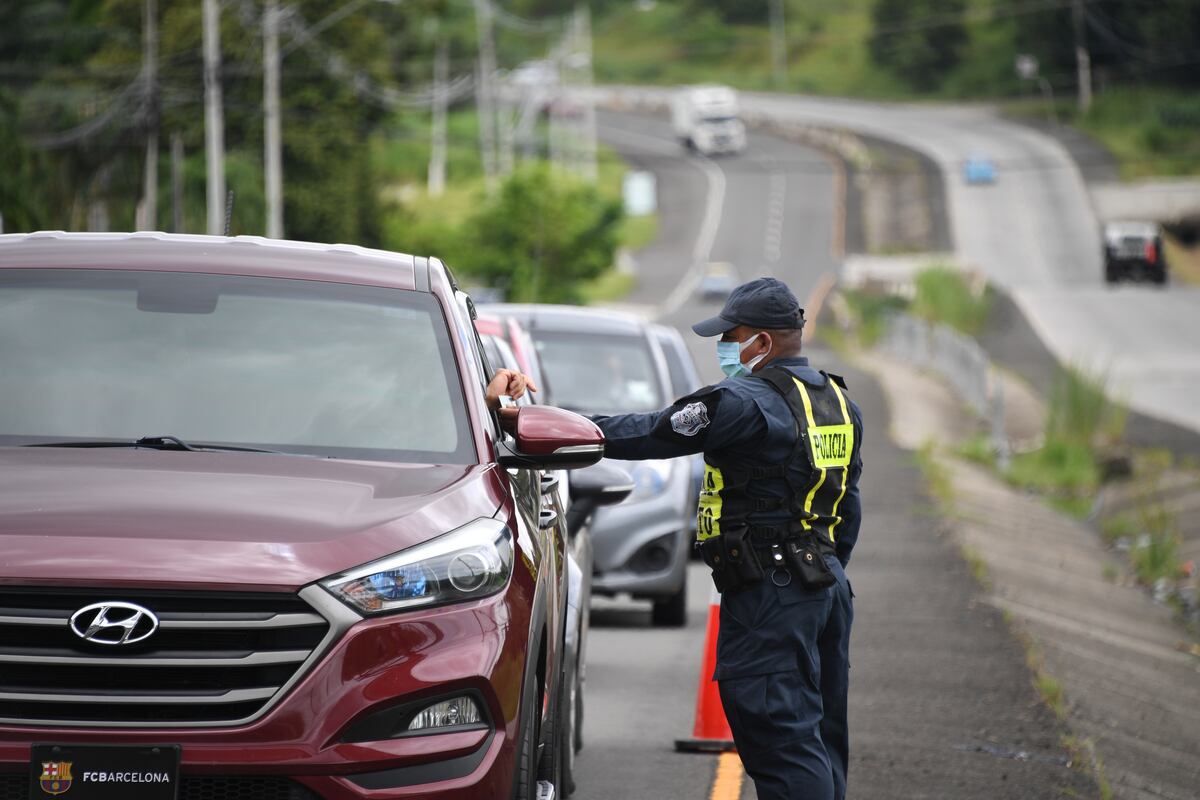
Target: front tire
x,y
671,612
525,787
568,745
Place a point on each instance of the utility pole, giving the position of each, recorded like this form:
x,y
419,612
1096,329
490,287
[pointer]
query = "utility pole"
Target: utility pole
x,y
214,124
149,216
273,135
437,127
778,45
484,95
583,52
177,182
1083,59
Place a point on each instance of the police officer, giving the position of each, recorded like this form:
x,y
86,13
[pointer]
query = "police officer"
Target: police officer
x,y
779,515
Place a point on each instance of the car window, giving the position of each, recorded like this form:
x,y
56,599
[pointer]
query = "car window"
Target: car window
x,y
683,381
598,374
291,365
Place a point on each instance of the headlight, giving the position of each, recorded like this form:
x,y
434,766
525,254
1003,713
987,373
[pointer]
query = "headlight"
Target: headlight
x,y
649,479
468,563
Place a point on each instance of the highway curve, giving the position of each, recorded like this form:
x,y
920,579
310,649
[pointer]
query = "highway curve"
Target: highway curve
x,y
1034,233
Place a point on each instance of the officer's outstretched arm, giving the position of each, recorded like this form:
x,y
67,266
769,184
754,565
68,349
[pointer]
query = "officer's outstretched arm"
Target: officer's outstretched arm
x,y
710,419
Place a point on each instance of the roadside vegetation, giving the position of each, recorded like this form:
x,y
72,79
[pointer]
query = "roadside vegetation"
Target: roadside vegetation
x,y
77,114
1081,454
1146,107
1082,427
544,235
942,294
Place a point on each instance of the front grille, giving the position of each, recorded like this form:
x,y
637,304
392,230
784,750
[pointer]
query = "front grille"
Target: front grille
x,y
217,658
1131,247
191,787
207,788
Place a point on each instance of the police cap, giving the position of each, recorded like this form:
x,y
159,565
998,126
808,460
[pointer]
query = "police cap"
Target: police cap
x,y
764,303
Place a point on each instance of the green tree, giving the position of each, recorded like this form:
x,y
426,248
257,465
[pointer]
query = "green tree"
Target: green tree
x,y
919,40
541,236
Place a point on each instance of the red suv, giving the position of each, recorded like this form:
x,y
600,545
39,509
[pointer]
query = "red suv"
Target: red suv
x,y
261,536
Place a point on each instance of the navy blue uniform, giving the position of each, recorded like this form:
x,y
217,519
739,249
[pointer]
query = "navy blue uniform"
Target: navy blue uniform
x,y
783,651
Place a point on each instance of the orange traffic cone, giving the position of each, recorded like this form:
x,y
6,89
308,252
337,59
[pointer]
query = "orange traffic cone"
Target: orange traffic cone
x,y
711,733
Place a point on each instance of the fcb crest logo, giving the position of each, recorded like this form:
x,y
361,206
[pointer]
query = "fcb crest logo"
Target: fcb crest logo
x,y
56,776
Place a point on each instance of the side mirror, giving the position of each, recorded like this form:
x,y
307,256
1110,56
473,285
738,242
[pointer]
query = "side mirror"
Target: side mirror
x,y
603,484
551,438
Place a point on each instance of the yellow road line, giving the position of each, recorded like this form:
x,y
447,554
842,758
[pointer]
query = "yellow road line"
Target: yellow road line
x,y
727,785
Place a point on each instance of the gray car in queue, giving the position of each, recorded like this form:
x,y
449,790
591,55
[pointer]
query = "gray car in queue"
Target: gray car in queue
x,y
608,362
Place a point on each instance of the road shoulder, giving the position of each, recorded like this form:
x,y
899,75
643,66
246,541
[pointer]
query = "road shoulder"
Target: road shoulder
x,y
1108,659
942,704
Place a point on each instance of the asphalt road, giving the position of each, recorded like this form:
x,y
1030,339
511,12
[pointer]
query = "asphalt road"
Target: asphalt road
x,y
1034,233
941,700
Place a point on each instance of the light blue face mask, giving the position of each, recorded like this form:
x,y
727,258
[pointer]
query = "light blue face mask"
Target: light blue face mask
x,y
729,354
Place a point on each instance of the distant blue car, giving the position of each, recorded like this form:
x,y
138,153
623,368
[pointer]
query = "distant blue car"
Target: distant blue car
x,y
979,169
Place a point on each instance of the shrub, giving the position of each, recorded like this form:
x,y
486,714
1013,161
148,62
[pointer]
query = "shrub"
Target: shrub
x,y
944,295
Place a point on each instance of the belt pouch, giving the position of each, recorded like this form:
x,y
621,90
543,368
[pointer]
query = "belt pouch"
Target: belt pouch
x,y
740,555
712,551
805,559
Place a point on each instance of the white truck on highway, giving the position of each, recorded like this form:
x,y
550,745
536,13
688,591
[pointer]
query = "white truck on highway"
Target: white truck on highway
x,y
706,120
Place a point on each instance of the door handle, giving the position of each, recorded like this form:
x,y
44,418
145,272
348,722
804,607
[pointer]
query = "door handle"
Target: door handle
x,y
547,518
549,482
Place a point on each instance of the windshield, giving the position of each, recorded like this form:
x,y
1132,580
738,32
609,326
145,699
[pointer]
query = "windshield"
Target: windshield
x,y
598,374
290,365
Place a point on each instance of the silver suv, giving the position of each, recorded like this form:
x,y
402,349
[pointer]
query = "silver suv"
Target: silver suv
x,y
605,362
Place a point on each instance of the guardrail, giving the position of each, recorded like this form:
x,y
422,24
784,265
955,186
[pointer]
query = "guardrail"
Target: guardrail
x,y
960,361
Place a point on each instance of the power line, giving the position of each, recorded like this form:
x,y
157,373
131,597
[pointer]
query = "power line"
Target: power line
x,y
132,92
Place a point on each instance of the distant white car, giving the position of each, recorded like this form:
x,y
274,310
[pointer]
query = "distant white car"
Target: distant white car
x,y
706,120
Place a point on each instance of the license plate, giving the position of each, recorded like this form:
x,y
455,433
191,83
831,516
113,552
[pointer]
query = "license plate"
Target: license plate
x,y
104,772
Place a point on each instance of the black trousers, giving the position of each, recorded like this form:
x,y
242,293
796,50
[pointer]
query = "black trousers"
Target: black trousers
x,y
783,662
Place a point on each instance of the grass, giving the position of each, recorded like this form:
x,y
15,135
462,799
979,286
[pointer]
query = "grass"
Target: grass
x,y
1149,130
637,232
979,449
827,51
978,567
945,295
1082,756
1081,420
1183,262
937,477
1155,539
1051,691
608,288
870,311
1065,473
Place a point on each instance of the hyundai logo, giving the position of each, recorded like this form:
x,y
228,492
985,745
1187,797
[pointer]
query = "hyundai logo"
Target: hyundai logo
x,y
114,623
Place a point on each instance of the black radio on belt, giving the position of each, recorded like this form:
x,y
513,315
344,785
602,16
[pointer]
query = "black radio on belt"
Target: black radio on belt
x,y
805,559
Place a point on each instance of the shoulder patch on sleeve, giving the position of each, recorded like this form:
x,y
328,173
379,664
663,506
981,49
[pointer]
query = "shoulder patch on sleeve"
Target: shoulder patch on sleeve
x,y
690,420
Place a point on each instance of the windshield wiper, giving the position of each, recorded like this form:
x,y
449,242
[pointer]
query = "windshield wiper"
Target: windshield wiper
x,y
154,443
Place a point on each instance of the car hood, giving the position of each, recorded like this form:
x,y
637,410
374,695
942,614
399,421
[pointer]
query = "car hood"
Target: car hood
x,y
218,520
